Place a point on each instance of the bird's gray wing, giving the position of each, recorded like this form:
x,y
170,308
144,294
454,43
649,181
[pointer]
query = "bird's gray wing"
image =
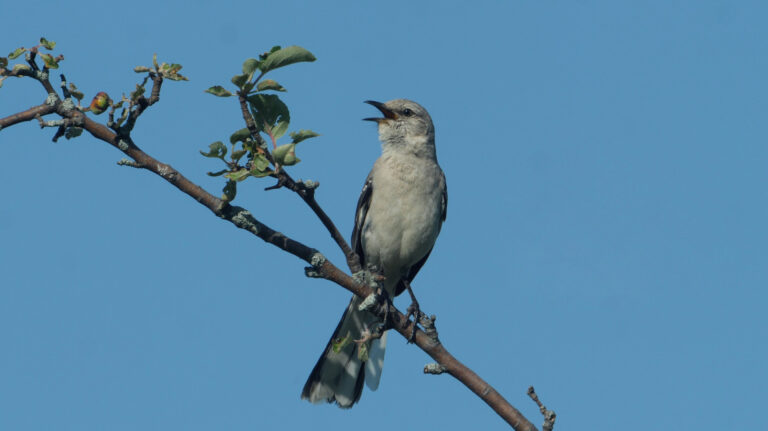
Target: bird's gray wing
x,y
400,288
360,214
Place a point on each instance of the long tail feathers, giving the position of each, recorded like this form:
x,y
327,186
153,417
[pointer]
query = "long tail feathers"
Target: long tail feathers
x,y
338,375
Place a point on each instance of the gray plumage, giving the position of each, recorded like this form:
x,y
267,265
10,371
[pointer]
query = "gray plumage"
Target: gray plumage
x,y
399,215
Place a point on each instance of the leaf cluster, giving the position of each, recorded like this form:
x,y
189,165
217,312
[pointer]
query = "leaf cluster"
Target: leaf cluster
x,y
166,70
269,116
21,69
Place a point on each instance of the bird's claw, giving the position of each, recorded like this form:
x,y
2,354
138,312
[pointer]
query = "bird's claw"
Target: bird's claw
x,y
415,311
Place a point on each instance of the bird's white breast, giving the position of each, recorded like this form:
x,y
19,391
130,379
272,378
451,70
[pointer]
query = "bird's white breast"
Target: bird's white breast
x,y
404,215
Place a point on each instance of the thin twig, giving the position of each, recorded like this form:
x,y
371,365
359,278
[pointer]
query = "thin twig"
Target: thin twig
x,y
549,415
307,194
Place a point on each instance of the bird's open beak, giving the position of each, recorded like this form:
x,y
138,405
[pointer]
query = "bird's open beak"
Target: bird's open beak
x,y
388,114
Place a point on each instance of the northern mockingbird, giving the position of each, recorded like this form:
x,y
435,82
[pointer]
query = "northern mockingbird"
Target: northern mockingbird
x,y
399,215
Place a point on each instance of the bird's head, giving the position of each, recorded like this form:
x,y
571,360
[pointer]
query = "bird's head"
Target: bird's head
x,y
405,124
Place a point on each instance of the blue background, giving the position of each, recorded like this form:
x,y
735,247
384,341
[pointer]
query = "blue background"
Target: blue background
x,y
606,237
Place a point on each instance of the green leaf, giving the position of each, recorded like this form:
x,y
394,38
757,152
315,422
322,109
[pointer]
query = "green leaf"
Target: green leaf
x,y
48,44
238,154
266,54
249,146
19,67
270,113
170,69
260,166
50,61
73,132
249,66
239,80
217,173
269,84
218,90
216,150
302,135
138,92
284,57
280,128
15,54
230,191
75,92
3,62
240,136
141,69
286,155
176,77
238,175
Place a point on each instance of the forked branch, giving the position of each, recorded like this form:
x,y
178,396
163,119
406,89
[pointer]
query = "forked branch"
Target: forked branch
x,y
319,265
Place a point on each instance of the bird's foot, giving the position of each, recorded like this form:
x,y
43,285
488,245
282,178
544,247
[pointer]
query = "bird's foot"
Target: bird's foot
x,y
412,310
371,334
415,311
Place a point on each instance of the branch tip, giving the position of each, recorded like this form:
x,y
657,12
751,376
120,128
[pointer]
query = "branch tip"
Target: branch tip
x,y
434,368
549,415
130,163
311,272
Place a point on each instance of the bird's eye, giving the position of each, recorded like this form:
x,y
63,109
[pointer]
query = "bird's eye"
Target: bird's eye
x,y
407,112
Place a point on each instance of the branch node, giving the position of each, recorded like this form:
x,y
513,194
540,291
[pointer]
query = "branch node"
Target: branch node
x,y
243,219
67,105
122,145
131,163
51,99
368,277
317,260
434,368
166,172
50,123
428,323
310,185
41,75
549,415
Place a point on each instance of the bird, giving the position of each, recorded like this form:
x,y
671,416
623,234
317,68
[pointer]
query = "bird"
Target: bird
x,y
399,215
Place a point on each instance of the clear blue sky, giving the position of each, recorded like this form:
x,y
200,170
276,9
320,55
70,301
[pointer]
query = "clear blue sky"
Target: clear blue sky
x,y
606,239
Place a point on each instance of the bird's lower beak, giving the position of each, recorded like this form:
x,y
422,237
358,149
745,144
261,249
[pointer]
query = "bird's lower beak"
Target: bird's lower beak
x,y
388,114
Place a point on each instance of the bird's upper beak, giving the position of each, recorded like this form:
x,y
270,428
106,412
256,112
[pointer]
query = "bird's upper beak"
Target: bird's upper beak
x,y
388,114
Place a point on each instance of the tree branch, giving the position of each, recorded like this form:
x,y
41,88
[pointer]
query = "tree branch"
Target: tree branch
x,y
319,265
307,194
28,115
